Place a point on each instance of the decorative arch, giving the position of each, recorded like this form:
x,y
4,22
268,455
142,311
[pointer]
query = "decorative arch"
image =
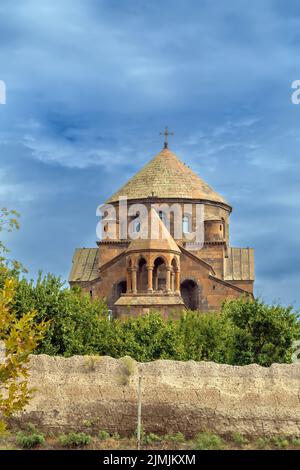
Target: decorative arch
x,y
118,289
159,273
189,290
175,263
142,277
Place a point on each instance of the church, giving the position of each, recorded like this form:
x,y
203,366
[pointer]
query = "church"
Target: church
x,y
169,274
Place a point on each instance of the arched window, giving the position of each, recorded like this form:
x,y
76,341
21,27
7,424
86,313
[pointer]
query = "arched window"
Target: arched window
x,y
186,224
142,276
162,216
136,224
159,274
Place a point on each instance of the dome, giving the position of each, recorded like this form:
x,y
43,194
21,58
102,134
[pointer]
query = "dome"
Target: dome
x,y
167,177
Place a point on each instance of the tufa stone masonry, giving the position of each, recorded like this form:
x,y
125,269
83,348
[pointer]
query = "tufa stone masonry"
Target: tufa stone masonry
x,y
163,274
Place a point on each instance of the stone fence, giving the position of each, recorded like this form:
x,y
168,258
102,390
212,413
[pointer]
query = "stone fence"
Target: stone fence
x,y
100,393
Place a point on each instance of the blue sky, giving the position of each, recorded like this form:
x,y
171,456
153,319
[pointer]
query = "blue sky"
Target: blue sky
x,y
90,84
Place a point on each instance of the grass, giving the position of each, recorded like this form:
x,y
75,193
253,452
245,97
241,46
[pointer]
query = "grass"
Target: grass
x,y
239,439
177,437
31,438
74,439
28,441
208,441
128,366
280,442
103,435
262,443
151,438
296,441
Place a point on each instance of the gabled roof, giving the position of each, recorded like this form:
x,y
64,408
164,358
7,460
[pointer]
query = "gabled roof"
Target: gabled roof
x,y
84,265
165,176
155,235
239,265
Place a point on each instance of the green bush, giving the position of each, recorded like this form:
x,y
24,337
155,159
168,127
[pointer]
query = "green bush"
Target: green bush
x,y
244,332
27,441
150,438
206,337
176,437
102,435
208,441
280,442
262,442
239,439
263,334
74,439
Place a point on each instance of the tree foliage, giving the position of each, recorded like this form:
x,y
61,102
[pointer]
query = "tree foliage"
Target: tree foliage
x,y
8,222
243,332
19,335
263,334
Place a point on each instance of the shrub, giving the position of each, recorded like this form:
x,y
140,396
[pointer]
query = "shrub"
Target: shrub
x,y
239,439
244,332
206,337
262,442
78,325
150,438
280,442
27,441
296,442
102,435
74,439
177,437
20,337
146,338
263,334
208,441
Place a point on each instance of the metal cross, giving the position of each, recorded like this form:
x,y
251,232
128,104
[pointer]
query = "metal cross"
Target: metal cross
x,y
166,133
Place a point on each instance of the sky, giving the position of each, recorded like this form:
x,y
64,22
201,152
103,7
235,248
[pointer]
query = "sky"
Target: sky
x,y
91,83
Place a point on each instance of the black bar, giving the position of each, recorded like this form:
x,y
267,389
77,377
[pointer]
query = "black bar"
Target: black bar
x,y
148,458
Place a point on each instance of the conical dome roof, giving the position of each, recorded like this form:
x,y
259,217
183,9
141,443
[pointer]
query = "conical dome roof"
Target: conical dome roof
x,y
154,236
165,176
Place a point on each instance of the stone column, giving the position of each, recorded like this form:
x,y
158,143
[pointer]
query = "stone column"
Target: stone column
x,y
150,278
133,280
177,281
172,281
128,281
168,279
156,281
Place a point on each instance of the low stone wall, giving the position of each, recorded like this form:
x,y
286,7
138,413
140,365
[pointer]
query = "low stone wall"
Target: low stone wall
x,y
190,397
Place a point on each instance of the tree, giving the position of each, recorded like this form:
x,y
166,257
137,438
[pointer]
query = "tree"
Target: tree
x,y
20,336
263,334
206,337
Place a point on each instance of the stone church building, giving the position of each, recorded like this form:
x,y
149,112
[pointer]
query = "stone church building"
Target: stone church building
x,y
164,274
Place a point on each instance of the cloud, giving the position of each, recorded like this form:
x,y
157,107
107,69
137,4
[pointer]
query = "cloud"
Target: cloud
x,y
90,84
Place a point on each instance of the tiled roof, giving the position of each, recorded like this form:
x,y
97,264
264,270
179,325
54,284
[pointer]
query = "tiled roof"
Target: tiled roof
x,y
165,176
84,265
239,266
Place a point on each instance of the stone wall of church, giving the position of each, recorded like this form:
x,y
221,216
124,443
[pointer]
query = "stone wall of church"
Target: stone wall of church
x,y
213,214
211,294
176,396
112,282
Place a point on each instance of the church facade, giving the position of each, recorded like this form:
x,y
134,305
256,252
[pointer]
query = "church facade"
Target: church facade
x,y
166,273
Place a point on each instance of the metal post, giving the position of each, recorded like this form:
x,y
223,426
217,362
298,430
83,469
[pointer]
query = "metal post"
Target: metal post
x,y
139,410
